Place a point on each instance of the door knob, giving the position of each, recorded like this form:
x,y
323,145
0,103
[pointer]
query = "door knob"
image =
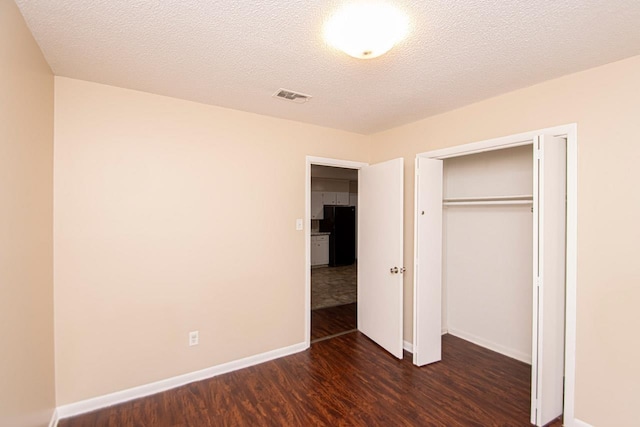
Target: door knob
x,y
402,270
394,270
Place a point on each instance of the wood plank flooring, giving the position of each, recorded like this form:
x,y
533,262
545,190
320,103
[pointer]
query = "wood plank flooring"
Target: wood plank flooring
x,y
326,322
343,381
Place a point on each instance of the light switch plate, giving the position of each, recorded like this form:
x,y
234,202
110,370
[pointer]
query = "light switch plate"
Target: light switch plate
x,y
299,225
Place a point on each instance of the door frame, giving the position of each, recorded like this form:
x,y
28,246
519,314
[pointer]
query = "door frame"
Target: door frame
x,y
320,161
570,132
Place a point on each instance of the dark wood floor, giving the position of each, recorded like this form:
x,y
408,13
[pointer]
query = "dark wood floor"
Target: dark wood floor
x,y
327,322
343,381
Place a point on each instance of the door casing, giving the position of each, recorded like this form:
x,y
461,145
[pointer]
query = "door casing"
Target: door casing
x,y
321,161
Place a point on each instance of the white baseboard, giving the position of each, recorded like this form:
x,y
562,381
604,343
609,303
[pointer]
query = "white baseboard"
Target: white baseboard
x,y
406,345
54,419
99,402
514,354
578,423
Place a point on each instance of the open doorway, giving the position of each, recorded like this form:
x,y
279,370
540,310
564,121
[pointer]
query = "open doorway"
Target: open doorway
x,y
333,241
379,248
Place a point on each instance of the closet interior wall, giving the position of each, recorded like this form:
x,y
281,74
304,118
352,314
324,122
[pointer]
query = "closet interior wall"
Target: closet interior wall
x,y
487,249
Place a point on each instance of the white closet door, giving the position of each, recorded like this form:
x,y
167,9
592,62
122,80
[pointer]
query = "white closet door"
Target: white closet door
x,y
427,330
547,382
380,253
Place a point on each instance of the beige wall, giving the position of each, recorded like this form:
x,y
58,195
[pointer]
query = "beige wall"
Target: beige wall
x,y
172,216
605,103
26,257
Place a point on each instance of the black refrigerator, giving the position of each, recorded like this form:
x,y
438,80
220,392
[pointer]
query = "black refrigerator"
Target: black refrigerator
x,y
340,221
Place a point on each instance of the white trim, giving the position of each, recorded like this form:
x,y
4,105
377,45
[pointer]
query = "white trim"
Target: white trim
x,y
570,131
406,345
498,348
322,161
509,141
336,163
571,273
99,402
578,423
480,147
54,419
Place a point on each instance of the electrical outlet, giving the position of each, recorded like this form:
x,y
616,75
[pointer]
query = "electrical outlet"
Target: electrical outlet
x,y
193,338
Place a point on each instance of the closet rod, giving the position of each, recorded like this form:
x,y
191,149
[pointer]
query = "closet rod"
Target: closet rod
x,y
489,202
519,199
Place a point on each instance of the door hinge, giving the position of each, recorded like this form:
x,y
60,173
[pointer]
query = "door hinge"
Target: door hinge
x,y
538,281
537,153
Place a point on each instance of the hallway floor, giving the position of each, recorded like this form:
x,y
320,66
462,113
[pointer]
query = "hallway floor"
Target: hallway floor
x,y
331,286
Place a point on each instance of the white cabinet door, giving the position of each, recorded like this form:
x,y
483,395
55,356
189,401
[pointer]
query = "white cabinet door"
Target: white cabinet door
x,y
380,257
342,199
315,252
317,208
319,250
329,198
323,250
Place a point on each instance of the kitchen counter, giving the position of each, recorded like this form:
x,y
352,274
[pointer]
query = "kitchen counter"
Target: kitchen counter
x,y
320,233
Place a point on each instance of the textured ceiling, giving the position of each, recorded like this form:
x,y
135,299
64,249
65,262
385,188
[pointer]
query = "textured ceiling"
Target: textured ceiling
x,y
236,54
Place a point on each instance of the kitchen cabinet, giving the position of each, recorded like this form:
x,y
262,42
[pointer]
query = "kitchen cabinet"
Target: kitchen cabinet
x,y
329,198
333,198
317,206
320,250
353,199
320,199
342,199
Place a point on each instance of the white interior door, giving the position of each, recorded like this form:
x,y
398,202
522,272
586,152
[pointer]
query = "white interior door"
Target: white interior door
x,y
549,203
427,330
380,253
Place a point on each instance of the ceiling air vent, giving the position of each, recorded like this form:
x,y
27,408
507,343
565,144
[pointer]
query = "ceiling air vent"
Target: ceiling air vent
x,y
289,95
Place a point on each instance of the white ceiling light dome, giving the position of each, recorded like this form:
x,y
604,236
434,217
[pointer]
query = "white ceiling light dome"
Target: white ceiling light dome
x,y
366,30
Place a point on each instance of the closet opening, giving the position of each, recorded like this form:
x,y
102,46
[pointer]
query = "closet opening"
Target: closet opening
x,y
487,241
495,252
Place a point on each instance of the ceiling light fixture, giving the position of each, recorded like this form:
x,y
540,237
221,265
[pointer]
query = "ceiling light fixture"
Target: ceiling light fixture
x,y
366,30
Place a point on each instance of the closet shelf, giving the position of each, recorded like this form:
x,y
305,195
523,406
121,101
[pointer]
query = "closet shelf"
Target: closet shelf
x,y
522,199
